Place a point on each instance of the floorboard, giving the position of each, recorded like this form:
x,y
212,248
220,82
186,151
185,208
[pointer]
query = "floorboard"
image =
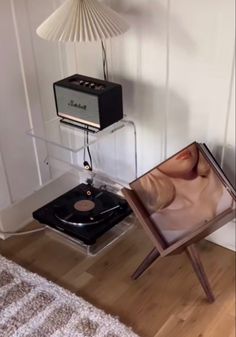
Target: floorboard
x,y
166,301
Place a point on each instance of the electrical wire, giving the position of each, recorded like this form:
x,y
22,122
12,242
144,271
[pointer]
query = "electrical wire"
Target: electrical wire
x,y
88,150
86,132
23,233
84,155
104,62
87,165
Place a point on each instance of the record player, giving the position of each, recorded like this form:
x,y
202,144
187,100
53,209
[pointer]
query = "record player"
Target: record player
x,y
84,213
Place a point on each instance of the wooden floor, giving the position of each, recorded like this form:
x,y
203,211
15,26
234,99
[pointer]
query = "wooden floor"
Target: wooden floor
x,y
166,302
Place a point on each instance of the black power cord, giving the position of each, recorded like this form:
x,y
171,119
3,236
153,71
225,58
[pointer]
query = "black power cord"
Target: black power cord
x,y
87,165
104,62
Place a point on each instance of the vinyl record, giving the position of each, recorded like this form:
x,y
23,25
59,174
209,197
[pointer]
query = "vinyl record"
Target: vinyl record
x,y
90,207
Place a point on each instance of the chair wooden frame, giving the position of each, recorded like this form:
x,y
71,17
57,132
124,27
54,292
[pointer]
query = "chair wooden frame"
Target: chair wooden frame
x,y
186,244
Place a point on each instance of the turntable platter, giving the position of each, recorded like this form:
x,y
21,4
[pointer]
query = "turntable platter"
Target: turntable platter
x,y
84,205
89,206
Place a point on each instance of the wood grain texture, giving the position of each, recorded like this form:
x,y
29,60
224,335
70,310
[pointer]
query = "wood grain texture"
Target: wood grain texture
x,y
147,262
166,301
194,257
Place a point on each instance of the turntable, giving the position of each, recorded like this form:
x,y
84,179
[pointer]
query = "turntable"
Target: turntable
x,y
84,213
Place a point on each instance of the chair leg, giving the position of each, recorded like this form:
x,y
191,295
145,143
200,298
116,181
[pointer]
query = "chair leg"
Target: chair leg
x,y
150,258
194,257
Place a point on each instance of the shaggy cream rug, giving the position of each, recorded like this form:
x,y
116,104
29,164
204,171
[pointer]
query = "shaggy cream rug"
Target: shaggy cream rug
x,y
31,306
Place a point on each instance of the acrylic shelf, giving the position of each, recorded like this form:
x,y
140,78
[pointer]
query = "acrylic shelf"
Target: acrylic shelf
x,y
114,156
70,137
113,148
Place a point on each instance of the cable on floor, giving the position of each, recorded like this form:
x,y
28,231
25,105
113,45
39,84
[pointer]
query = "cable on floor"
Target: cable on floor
x,y
23,233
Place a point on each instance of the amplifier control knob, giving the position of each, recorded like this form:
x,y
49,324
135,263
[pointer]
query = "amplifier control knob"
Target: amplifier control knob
x,y
99,87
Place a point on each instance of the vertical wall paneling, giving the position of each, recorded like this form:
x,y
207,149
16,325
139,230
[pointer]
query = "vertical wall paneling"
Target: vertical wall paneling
x,y
139,64
46,54
16,148
166,114
229,157
227,235
31,83
6,197
27,100
229,134
61,49
202,35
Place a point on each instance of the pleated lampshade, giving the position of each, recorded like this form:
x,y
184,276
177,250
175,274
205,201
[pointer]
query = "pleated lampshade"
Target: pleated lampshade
x,y
82,20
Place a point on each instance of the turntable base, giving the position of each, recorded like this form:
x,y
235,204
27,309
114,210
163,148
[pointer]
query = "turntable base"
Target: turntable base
x,y
91,217
105,241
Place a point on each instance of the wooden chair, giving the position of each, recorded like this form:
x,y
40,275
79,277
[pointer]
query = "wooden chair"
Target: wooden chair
x,y
185,243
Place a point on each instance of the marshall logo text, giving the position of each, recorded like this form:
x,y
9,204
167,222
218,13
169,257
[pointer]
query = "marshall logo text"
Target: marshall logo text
x,y
77,105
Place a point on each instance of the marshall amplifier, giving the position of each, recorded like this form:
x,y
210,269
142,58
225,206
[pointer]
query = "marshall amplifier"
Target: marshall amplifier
x,y
88,102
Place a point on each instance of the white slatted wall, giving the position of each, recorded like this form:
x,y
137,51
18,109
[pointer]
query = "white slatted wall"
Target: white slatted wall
x,y
175,65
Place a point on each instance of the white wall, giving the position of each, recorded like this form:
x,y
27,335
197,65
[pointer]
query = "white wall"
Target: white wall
x,y
175,65
22,166
5,197
16,149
